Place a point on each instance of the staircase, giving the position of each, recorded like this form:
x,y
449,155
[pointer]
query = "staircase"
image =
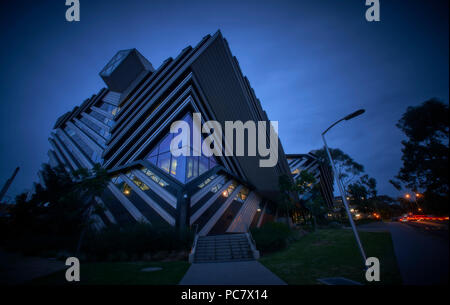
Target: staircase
x,y
223,248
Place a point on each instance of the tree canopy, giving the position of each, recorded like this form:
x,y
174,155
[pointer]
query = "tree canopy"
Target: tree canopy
x,y
425,152
348,169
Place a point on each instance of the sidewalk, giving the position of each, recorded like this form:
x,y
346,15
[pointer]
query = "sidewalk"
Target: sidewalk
x,y
19,269
232,273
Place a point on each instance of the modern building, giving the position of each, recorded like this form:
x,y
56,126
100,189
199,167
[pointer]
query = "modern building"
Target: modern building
x,y
126,128
323,174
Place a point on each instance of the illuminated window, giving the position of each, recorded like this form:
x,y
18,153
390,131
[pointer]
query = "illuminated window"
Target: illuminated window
x,y
229,189
242,195
154,177
138,182
121,185
183,168
207,181
216,187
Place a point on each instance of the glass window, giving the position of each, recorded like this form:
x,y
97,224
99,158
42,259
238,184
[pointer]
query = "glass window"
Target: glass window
x,y
122,186
207,181
138,182
242,195
183,168
203,165
164,161
216,187
229,189
154,177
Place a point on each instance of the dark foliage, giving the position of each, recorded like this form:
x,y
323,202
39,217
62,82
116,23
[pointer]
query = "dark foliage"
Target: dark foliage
x,y
425,153
135,240
272,236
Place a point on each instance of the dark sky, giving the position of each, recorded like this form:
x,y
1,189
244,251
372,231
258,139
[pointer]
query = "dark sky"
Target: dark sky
x,y
310,63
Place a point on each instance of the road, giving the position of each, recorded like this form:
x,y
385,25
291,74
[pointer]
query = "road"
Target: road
x,y
421,248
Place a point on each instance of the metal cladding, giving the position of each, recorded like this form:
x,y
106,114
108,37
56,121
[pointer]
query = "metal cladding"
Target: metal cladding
x,y
125,128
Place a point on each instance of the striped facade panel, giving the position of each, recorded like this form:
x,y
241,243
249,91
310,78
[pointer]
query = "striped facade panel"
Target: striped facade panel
x,y
74,163
197,213
215,211
150,122
127,204
121,215
60,156
149,207
206,192
243,219
223,89
112,98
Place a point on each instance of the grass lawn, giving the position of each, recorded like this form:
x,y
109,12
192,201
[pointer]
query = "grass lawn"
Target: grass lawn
x,y
333,253
121,273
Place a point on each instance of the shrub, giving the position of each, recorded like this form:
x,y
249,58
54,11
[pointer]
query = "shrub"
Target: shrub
x,y
271,237
39,244
135,241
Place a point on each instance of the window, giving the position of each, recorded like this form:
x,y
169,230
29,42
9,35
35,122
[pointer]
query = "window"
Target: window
x,y
137,181
183,168
216,187
122,185
242,195
229,189
154,177
208,180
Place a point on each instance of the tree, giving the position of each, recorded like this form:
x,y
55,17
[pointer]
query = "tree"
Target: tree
x,y
425,152
347,169
286,197
58,212
315,204
290,191
91,184
364,194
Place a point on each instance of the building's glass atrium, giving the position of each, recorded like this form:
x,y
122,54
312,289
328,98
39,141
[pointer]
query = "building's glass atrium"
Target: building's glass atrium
x,y
183,168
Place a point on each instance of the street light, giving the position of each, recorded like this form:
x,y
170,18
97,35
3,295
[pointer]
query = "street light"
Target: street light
x,y
338,181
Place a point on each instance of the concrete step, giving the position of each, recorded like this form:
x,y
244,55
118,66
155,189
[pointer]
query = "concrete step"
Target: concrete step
x,y
223,248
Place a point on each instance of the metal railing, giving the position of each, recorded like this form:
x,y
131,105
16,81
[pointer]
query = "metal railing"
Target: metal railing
x,y
255,251
194,244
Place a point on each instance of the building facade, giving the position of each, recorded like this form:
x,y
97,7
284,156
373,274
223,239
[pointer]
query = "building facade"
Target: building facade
x,y
323,174
126,128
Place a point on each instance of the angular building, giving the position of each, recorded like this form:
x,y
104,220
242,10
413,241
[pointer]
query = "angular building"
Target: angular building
x,y
126,128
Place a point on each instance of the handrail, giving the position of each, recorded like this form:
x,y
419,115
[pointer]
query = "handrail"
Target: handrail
x,y
194,244
195,237
250,235
252,243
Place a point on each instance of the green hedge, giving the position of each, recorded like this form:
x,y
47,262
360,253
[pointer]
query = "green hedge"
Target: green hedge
x,y
271,237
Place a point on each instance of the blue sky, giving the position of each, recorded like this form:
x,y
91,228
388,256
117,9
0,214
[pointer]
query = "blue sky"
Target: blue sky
x,y
310,63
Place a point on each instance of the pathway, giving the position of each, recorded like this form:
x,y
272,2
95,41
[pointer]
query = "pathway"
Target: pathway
x,y
232,273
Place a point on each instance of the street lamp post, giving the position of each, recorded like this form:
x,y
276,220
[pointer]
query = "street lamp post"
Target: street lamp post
x,y
340,186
